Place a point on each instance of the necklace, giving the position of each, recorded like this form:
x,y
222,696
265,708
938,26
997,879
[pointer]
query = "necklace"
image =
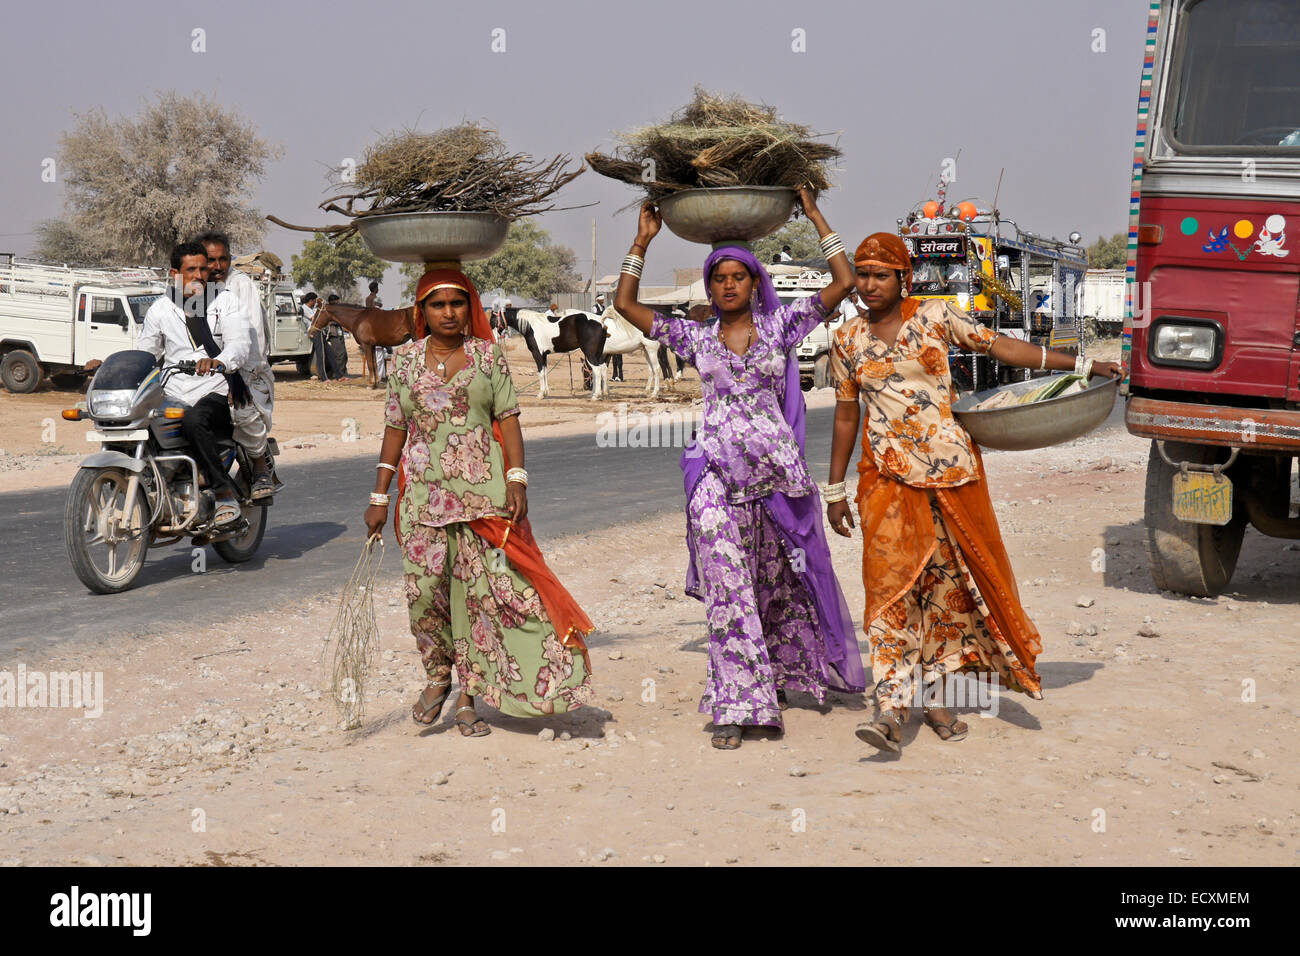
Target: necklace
x,y
442,365
749,339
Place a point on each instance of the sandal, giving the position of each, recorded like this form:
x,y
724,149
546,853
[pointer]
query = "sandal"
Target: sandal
x,y
948,731
883,733
728,736
422,710
227,512
467,726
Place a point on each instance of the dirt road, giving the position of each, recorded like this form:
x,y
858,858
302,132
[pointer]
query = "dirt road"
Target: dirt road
x,y
1167,734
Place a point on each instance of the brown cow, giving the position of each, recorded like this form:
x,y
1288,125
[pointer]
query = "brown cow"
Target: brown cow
x,y
370,327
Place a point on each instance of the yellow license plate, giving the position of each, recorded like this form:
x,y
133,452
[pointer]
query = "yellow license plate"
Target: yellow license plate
x,y
1202,498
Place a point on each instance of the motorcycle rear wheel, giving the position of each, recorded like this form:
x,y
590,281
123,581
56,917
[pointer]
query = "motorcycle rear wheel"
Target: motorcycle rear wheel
x,y
240,549
107,538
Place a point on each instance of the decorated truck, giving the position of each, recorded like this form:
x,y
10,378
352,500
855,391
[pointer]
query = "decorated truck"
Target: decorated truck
x,y
1212,338
1017,283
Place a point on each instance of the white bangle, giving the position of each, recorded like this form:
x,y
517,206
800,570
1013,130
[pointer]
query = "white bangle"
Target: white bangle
x,y
833,493
1087,369
517,474
379,500
632,265
831,245
1042,365
384,464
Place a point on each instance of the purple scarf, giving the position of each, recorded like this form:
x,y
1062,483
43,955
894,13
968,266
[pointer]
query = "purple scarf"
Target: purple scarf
x,y
799,520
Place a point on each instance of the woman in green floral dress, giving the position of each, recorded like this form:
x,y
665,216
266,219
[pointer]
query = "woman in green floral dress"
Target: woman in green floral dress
x,y
481,598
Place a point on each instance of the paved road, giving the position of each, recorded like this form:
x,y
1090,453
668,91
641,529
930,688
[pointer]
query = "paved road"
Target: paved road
x,y
312,540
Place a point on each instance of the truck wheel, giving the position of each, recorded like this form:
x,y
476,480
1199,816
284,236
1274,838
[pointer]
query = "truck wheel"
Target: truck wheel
x,y
822,371
107,538
1194,559
240,549
303,365
20,372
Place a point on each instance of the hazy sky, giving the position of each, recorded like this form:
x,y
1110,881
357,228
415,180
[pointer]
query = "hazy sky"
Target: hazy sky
x,y
1009,83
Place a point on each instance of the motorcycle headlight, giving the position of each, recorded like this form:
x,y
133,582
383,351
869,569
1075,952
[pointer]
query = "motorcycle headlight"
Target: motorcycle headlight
x,y
1178,343
111,403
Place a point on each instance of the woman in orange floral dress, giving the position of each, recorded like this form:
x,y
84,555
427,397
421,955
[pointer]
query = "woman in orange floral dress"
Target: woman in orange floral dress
x,y
941,596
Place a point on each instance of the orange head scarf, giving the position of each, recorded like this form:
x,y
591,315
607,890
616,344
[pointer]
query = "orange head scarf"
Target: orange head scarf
x,y
436,279
885,249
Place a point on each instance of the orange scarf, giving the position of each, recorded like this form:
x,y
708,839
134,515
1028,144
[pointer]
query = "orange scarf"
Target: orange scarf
x,y
516,540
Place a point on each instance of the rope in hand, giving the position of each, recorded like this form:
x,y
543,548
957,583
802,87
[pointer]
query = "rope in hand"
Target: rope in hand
x,y
355,635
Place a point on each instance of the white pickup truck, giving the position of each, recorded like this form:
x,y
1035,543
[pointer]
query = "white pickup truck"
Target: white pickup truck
x,y
54,319
814,351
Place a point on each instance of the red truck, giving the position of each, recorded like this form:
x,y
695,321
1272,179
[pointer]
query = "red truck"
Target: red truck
x,y
1212,343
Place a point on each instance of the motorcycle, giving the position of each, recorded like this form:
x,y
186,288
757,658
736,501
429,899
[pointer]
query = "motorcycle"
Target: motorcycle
x,y
142,489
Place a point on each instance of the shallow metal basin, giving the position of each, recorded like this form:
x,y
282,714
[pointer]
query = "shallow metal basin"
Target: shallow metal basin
x,y
433,236
727,213
1022,427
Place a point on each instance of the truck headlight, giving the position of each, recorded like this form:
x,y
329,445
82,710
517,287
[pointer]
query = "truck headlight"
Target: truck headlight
x,y
111,403
1178,343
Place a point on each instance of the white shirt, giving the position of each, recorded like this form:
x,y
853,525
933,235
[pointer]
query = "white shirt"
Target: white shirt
x,y
165,333
245,290
786,257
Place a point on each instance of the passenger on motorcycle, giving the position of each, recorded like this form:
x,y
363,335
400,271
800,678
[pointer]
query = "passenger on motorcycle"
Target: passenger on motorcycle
x,y
181,327
252,422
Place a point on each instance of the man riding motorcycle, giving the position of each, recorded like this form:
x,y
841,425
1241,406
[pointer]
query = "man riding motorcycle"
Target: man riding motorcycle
x,y
177,327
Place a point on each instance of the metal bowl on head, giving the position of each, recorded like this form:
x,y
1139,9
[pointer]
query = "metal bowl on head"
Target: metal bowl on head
x,y
433,236
727,213
1038,425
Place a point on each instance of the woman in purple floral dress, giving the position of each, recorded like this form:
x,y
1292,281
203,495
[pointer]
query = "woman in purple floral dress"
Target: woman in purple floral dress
x,y
759,559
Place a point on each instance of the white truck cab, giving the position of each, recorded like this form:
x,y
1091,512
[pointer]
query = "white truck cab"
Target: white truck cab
x,y
791,283
54,319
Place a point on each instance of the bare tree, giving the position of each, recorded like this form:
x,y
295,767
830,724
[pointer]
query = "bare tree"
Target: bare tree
x,y
137,186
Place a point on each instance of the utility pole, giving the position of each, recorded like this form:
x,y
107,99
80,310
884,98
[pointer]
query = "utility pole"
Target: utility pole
x,y
592,296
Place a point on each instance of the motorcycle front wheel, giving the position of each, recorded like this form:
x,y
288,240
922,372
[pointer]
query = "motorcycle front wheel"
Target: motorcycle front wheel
x,y
107,537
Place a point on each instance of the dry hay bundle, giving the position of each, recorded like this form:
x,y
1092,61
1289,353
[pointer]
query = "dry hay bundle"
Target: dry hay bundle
x,y
465,168
718,140
354,635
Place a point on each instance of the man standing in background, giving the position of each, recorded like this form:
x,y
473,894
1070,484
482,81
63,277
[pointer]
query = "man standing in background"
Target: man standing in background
x,y
382,352
615,362
336,345
311,304
251,422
